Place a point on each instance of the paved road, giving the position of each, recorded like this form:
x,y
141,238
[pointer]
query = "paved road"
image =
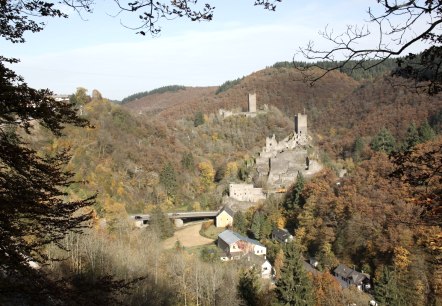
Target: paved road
x,y
189,236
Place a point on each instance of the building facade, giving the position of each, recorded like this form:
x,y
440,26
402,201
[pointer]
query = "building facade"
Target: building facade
x,y
246,193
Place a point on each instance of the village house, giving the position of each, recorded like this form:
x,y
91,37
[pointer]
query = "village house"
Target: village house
x,y
261,264
224,217
348,277
235,245
281,235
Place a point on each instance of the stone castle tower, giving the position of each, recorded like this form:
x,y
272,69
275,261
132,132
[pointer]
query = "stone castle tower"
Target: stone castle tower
x,y
252,103
301,124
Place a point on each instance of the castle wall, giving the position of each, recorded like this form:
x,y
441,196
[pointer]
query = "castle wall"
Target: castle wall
x,y
285,167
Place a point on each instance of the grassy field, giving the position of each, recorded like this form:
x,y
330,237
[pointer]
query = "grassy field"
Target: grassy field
x,y
210,231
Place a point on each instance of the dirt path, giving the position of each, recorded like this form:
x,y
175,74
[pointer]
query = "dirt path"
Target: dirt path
x,y
188,236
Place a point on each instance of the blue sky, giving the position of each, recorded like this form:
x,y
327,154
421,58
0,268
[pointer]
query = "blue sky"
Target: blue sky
x,y
100,53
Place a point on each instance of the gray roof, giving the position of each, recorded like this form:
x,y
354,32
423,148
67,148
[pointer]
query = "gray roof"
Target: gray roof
x,y
354,276
228,210
309,268
231,237
254,259
281,234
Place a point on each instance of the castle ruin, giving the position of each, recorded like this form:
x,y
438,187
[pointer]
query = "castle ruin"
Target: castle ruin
x,y
252,109
280,162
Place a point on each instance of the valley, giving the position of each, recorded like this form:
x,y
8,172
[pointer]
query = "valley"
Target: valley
x,y
315,162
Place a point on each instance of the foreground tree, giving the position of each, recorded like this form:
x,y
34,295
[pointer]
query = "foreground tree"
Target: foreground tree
x,y
33,211
34,205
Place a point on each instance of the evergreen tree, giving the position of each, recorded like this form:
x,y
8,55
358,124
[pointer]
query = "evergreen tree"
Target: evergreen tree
x,y
383,141
35,208
293,199
358,147
412,138
188,161
249,287
294,287
220,173
168,179
261,227
426,133
386,290
199,119
257,221
161,224
435,122
266,228
240,223
243,172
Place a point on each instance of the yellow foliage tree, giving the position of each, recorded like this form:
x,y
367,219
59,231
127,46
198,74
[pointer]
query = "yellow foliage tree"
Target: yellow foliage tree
x,y
327,290
231,169
196,206
299,238
207,175
401,258
281,222
279,262
115,212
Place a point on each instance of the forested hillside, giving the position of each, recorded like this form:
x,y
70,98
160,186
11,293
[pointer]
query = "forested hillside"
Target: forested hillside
x,y
356,218
339,108
173,151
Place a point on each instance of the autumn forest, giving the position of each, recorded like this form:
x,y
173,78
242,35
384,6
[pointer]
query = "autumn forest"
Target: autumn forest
x,y
170,150
90,188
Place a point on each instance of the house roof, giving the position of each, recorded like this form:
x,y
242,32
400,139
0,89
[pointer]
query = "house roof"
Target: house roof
x,y
350,274
227,210
281,234
231,237
255,260
309,268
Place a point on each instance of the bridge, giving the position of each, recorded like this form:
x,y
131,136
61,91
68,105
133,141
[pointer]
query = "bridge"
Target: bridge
x,y
143,219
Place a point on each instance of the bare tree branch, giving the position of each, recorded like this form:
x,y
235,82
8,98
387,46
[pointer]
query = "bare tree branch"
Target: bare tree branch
x,y
399,27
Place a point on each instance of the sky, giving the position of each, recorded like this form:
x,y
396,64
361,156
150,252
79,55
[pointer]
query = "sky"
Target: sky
x,y
99,51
